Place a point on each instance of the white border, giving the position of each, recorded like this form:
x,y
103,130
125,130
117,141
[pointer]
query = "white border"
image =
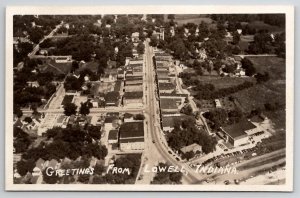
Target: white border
x,y
60,10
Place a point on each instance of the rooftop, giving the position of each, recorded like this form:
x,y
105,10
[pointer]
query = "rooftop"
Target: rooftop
x,y
166,86
133,95
112,96
191,147
132,140
113,134
238,130
132,129
168,103
171,120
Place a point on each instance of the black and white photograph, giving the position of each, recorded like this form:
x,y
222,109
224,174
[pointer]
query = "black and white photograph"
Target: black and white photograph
x,y
147,98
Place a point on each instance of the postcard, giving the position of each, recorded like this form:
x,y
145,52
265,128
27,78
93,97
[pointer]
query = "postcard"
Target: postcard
x,y
149,98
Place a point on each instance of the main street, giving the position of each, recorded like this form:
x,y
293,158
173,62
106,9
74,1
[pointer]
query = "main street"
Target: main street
x,y
152,110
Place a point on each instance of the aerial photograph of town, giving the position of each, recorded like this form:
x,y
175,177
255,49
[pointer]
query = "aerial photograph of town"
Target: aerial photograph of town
x,y
149,99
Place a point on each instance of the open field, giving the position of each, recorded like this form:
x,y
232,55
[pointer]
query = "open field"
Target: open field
x,y
223,82
193,18
260,25
275,66
50,65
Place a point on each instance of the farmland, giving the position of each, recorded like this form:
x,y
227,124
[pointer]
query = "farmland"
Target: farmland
x,y
193,18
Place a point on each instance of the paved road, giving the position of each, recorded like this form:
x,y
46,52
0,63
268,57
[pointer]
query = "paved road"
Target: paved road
x,y
154,125
92,110
37,47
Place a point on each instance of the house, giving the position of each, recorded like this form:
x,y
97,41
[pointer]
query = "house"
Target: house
x,y
132,136
218,103
133,99
63,59
33,84
112,98
135,36
162,74
170,105
128,117
166,87
237,134
195,148
113,136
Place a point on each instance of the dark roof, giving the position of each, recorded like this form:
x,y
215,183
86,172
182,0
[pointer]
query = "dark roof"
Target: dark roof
x,y
171,120
168,103
128,140
113,134
238,130
131,78
132,129
133,95
112,96
166,86
128,115
110,119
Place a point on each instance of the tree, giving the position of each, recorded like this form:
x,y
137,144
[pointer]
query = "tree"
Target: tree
x,y
75,65
154,41
84,178
85,108
50,179
70,109
187,109
28,120
17,111
171,16
140,48
188,155
248,66
95,132
99,169
25,166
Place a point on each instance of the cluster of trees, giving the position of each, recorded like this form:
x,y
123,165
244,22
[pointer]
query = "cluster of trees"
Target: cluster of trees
x,y
21,140
273,106
71,142
247,64
260,78
187,110
221,117
43,25
21,51
186,133
73,83
164,177
131,161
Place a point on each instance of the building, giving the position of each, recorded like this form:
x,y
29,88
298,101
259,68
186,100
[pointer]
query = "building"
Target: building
x,y
33,84
132,136
128,117
134,87
113,136
218,103
168,122
112,98
237,134
133,99
63,59
170,105
195,148
133,80
166,87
